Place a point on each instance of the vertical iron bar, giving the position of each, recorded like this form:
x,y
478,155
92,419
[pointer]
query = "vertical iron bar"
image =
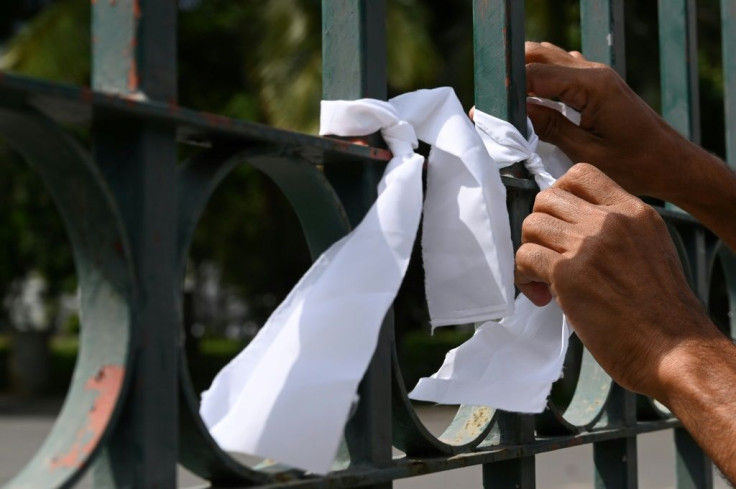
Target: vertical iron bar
x,y
728,35
679,66
354,66
354,49
500,76
681,109
616,464
616,460
602,26
500,90
694,468
515,429
134,55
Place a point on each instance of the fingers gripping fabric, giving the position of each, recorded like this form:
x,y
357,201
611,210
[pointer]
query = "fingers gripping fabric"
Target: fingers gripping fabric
x,y
288,394
509,365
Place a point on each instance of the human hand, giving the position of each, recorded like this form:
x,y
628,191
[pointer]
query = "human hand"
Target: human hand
x,y
618,132
608,260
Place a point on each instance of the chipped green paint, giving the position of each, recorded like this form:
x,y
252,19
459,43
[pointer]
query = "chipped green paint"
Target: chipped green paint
x,y
106,277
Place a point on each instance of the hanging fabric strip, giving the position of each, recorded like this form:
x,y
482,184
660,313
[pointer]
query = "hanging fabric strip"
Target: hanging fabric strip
x,y
287,396
509,365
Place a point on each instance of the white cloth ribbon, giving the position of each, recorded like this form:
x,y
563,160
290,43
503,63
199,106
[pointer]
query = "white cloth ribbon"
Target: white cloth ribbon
x,y
509,365
287,396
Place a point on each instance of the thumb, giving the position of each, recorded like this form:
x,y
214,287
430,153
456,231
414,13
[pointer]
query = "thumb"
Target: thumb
x,y
555,128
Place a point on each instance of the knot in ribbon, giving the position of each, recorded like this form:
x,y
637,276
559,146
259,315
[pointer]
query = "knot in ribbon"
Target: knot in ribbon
x,y
509,365
295,382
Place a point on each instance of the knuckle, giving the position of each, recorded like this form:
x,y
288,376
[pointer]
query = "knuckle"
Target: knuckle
x,y
542,200
579,171
642,211
531,225
546,198
608,76
524,257
533,68
533,49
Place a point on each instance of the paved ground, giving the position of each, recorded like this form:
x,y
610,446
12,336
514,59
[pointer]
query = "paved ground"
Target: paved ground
x,y
22,429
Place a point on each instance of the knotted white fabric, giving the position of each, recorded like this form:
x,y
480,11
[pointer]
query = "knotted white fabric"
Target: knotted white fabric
x,y
288,394
509,365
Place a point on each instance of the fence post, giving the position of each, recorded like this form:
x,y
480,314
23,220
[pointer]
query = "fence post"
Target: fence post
x,y
681,109
728,42
134,55
602,27
500,90
354,66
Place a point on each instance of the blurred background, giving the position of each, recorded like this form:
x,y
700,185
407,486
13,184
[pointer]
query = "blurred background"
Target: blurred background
x,y
259,61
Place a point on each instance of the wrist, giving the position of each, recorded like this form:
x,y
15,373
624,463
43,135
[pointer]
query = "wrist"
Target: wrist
x,y
679,160
686,372
696,180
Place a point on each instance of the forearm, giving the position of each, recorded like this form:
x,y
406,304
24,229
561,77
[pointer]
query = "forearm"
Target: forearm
x,y
702,396
706,188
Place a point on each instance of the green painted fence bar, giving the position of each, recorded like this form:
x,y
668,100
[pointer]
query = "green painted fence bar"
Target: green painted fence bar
x,y
679,66
498,43
354,66
728,39
602,29
681,109
131,209
500,90
134,54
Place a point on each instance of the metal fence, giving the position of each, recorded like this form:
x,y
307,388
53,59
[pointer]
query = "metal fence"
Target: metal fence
x,y
130,209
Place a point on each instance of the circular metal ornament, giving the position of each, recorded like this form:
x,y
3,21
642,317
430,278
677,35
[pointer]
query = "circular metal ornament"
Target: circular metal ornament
x,y
106,283
323,221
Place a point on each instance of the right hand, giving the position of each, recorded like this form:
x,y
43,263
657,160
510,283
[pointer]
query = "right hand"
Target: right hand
x,y
618,132
608,261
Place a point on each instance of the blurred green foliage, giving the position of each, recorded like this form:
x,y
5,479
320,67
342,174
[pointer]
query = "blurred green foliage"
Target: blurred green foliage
x,y
261,61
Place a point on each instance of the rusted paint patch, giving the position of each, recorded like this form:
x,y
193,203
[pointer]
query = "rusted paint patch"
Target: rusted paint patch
x,y
477,421
137,9
379,153
133,75
107,382
216,120
86,95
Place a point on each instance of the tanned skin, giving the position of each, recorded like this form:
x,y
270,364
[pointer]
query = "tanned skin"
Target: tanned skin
x,y
607,258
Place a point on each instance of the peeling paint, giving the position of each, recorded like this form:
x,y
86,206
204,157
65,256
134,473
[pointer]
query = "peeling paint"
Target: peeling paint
x,y
86,95
107,382
133,79
173,105
216,120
